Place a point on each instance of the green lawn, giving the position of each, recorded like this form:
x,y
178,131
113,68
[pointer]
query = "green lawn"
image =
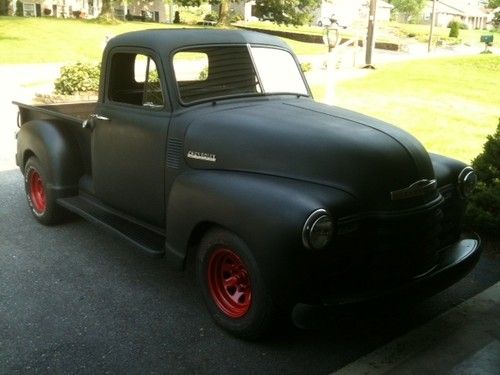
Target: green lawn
x,y
386,32
449,104
43,40
421,33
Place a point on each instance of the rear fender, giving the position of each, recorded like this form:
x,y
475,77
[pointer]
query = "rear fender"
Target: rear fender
x,y
56,148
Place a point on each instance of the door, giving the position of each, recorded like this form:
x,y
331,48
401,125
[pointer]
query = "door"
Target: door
x,y
129,138
38,10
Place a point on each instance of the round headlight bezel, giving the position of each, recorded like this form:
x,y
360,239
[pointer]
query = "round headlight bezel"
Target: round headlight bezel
x,y
318,230
467,180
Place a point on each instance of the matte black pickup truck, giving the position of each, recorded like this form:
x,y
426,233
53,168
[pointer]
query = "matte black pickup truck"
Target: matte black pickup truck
x,y
207,145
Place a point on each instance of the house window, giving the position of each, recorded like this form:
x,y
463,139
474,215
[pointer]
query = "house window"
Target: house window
x,y
29,10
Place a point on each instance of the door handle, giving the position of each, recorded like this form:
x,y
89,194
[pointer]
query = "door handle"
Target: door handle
x,y
89,123
99,117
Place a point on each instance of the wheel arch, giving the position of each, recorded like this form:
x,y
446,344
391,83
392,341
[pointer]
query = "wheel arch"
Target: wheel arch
x,y
56,148
267,213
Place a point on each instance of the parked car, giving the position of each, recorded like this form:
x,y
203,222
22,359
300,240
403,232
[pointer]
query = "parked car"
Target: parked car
x,y
207,145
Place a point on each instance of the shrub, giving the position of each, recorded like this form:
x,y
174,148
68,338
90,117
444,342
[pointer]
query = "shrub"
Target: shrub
x,y
77,13
177,17
211,17
77,78
306,66
484,208
47,12
454,29
19,8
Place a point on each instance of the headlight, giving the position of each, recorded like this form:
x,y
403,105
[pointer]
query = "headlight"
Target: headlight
x,y
467,180
318,230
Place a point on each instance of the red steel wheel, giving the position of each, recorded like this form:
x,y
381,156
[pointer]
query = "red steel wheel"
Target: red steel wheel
x,y
229,283
37,192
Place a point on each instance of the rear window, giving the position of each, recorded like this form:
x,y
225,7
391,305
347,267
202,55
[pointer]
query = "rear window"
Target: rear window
x,y
207,73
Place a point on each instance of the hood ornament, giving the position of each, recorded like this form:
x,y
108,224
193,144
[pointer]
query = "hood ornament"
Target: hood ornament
x,y
416,189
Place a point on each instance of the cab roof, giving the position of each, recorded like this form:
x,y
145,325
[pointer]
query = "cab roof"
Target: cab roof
x,y
167,40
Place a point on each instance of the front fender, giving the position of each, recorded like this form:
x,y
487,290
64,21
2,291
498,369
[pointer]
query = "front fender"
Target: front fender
x,y
268,213
446,169
56,148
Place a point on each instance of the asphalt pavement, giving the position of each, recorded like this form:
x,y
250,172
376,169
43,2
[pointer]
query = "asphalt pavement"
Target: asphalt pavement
x,y
75,299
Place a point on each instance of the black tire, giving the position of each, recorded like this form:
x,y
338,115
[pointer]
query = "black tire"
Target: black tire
x,y
245,310
41,199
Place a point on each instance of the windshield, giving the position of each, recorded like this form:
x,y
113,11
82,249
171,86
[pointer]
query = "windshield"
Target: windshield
x,y
206,73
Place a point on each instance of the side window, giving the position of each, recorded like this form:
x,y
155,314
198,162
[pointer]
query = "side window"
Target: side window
x,y
134,79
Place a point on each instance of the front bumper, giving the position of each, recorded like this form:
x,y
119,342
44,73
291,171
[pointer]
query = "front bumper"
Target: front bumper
x,y
453,263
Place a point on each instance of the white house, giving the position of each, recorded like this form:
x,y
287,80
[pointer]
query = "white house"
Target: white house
x,y
469,12
153,10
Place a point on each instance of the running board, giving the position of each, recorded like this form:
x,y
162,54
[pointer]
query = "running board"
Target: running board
x,y
145,239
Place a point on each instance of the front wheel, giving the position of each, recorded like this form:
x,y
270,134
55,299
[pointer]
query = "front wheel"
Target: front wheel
x,y
232,286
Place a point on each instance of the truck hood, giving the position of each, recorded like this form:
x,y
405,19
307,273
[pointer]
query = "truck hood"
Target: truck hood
x,y
309,141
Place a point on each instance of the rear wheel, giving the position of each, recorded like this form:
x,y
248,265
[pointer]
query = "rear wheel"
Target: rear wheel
x,y
232,285
40,198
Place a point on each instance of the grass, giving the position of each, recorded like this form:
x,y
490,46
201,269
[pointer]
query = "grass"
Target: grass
x,y
421,33
386,32
449,104
45,40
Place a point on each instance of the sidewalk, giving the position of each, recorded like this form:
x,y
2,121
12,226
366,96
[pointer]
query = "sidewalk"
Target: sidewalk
x,y
464,340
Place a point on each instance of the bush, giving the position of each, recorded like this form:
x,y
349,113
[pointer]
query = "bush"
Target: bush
x,y
306,66
484,208
454,29
177,17
211,17
19,8
47,12
78,78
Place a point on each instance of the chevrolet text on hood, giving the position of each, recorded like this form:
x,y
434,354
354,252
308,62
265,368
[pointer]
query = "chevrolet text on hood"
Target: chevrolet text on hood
x,y
206,147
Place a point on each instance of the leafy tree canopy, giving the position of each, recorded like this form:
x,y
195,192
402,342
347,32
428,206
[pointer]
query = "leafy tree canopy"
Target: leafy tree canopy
x,y
493,4
409,7
294,12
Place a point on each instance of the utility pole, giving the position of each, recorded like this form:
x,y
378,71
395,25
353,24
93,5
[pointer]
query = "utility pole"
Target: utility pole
x,y
433,21
370,40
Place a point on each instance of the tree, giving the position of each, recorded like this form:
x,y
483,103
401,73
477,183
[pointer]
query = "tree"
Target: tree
x,y
493,4
107,9
294,12
4,7
496,20
409,8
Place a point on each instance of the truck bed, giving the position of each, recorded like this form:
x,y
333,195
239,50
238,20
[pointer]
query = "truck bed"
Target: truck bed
x,y
73,112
